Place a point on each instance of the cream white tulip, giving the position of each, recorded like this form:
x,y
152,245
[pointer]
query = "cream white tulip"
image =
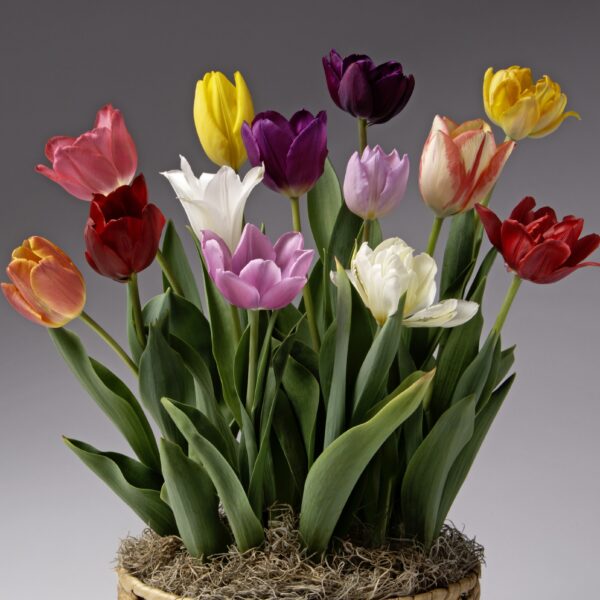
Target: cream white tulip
x,y
215,201
383,275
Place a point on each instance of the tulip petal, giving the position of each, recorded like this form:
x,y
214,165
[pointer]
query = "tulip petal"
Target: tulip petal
x,y
332,77
16,300
543,260
60,289
286,246
300,264
516,243
448,313
237,292
261,275
253,244
354,91
520,212
582,248
519,120
102,258
554,125
56,143
563,272
305,161
282,293
215,252
72,186
491,223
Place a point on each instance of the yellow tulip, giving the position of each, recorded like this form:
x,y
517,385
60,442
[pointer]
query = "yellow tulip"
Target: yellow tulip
x,y
220,109
521,107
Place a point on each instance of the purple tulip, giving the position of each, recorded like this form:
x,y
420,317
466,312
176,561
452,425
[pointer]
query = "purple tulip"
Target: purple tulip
x,y
293,152
375,182
259,275
372,92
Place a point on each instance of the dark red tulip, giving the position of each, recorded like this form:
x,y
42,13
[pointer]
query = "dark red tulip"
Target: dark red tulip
x,y
366,90
536,245
123,231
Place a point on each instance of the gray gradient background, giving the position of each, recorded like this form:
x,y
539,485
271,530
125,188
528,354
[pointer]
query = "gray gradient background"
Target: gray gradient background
x,y
533,495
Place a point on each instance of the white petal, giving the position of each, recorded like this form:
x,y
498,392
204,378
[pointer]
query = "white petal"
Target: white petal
x,y
465,311
448,313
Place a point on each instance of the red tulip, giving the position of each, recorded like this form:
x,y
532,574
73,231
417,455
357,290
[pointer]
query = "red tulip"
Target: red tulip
x,y
123,231
96,162
535,245
47,288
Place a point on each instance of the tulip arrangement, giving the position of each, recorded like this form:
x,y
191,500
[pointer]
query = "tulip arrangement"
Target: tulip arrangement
x,y
362,404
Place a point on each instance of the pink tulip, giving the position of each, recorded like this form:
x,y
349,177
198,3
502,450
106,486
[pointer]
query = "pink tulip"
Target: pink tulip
x,y
97,162
259,275
460,165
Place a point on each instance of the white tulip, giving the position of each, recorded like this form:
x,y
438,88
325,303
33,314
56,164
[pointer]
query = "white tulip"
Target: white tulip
x,y
383,275
215,201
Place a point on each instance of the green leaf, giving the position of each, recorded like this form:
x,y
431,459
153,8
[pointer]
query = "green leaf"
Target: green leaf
x,y
484,269
194,502
475,376
507,359
373,374
458,256
164,374
343,239
462,465
324,202
247,529
427,472
112,396
302,390
179,266
135,484
335,420
334,474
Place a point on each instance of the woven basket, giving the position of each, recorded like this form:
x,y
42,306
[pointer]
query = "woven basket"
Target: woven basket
x,y
131,588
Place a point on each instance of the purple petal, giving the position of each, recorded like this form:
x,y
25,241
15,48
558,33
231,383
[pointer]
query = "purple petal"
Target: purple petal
x,y
285,247
283,293
300,264
301,120
273,141
306,156
253,244
356,184
391,94
216,253
352,59
236,292
261,274
355,91
332,78
252,148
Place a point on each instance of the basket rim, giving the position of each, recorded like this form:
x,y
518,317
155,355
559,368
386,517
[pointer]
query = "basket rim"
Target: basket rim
x,y
132,585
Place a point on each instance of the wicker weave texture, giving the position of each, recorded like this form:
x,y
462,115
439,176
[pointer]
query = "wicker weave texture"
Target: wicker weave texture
x,y
131,588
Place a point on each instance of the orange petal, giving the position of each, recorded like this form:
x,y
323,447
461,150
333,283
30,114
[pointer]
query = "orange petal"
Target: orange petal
x,y
60,289
19,303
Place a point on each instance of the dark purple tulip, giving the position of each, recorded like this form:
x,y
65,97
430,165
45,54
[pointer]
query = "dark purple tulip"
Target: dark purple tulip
x,y
372,92
293,152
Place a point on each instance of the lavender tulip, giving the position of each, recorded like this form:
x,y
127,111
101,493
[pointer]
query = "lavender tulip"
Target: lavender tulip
x,y
293,152
365,90
375,182
259,275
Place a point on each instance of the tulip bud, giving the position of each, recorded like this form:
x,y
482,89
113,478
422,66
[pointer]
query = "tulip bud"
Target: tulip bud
x,y
220,109
460,165
123,231
258,274
523,108
383,275
372,92
47,288
97,162
293,152
375,182
536,245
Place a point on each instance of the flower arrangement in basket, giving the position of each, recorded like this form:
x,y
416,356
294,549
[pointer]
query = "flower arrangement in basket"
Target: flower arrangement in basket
x,y
362,406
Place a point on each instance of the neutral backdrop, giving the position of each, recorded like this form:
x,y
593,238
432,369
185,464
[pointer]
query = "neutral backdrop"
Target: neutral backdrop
x,y
532,498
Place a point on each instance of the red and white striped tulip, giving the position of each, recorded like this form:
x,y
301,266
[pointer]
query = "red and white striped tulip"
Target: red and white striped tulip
x,y
460,165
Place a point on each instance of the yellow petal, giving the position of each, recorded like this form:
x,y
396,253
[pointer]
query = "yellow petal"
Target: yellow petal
x,y
554,125
487,81
519,120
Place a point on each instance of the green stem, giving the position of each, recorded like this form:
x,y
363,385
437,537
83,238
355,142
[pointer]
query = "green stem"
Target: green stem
x,y
136,308
366,231
253,321
308,301
110,341
508,300
434,235
168,273
362,134
235,318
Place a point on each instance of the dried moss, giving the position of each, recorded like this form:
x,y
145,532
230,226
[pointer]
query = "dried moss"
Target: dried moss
x,y
281,569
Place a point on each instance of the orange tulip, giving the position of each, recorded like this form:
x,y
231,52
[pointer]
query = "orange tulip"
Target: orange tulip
x,y
47,288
